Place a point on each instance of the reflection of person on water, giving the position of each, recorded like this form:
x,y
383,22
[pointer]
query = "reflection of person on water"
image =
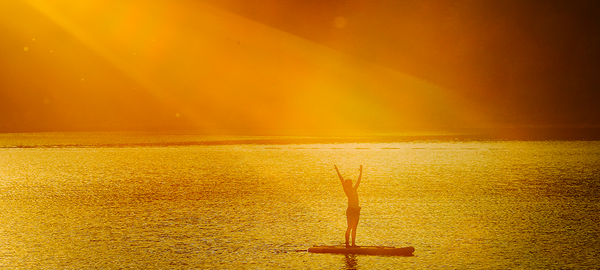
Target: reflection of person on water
x,y
353,211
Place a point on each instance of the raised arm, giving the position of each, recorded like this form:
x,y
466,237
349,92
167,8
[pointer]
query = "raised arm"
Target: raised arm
x,y
339,174
359,176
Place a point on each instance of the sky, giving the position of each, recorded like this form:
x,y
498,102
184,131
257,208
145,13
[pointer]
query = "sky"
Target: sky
x,y
209,65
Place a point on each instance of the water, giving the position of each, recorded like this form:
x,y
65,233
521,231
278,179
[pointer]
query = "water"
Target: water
x,y
88,201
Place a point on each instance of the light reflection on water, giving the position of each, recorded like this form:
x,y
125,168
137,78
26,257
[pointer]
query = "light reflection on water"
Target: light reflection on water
x,y
460,204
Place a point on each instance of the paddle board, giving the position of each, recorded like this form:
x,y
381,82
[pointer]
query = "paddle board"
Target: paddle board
x,y
370,250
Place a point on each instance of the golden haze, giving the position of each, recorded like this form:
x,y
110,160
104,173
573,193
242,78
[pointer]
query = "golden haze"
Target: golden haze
x,y
186,64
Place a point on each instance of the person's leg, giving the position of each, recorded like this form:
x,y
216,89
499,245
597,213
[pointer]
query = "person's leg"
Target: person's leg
x,y
354,226
349,219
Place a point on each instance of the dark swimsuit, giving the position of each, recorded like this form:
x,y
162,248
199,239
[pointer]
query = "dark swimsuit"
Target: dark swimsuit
x,y
353,211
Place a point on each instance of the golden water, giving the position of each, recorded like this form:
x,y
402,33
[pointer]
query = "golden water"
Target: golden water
x,y
486,205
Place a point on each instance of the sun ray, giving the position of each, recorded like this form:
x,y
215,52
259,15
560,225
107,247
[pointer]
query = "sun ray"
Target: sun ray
x,y
218,70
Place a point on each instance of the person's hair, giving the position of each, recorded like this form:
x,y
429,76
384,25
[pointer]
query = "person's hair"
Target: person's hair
x,y
348,182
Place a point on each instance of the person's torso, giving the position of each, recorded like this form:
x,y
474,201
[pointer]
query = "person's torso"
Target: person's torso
x,y
352,195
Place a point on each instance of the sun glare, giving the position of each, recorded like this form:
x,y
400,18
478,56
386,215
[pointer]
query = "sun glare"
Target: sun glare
x,y
217,70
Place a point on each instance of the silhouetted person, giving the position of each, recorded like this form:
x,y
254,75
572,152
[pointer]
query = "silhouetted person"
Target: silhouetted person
x,y
353,211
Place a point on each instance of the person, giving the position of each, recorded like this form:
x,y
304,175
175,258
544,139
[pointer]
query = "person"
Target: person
x,y
353,211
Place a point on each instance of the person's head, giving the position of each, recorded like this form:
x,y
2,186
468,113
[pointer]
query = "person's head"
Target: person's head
x,y
348,183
